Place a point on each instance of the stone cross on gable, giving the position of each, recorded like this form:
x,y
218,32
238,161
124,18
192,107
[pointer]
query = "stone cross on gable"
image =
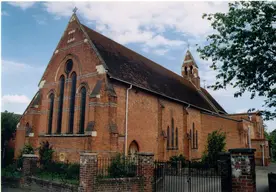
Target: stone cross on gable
x,y
75,10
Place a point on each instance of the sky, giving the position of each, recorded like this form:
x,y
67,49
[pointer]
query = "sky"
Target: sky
x,y
160,31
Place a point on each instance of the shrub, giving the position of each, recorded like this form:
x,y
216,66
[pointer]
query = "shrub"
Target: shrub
x,y
27,149
45,153
121,167
62,170
174,159
11,171
8,159
215,144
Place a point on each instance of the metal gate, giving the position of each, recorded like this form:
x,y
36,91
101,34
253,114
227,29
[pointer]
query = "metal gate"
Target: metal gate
x,y
187,176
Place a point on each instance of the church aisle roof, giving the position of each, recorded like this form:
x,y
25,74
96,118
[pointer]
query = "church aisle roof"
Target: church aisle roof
x,y
129,66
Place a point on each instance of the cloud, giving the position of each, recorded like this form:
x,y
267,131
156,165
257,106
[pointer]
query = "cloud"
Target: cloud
x,y
15,99
22,5
41,20
9,66
160,51
5,13
142,22
243,110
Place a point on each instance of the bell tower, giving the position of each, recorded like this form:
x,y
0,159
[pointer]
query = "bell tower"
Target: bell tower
x,y
189,70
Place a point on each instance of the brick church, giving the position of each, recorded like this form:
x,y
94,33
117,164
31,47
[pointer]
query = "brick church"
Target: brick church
x,y
98,96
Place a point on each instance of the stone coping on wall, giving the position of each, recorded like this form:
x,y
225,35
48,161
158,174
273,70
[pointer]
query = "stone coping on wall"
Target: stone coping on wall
x,y
30,155
123,179
242,150
64,135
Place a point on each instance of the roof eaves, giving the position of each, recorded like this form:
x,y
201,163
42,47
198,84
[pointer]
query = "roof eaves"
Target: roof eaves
x,y
163,95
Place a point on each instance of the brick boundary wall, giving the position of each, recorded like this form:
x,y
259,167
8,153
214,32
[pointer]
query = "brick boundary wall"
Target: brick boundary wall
x,y
243,170
90,183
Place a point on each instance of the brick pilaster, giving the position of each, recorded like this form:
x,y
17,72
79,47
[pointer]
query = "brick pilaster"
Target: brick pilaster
x,y
88,171
243,170
146,169
29,167
226,171
29,164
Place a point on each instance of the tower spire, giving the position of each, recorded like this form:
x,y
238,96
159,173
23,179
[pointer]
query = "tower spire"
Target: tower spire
x,y
75,10
189,69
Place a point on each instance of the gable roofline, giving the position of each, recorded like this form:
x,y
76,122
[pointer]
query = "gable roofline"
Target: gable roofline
x,y
34,97
74,15
160,94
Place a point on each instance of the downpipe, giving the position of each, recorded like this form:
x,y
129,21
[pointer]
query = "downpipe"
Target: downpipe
x,y
126,128
263,146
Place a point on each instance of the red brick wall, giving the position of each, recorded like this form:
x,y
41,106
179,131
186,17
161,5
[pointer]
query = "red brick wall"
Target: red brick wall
x,y
233,137
256,144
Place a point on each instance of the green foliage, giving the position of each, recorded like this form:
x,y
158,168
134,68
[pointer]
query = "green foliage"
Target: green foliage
x,y
62,170
215,143
271,137
243,50
8,159
121,167
11,171
8,125
174,159
45,153
27,149
8,128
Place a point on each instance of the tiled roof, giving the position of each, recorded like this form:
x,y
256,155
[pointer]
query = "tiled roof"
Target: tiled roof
x,y
209,96
129,66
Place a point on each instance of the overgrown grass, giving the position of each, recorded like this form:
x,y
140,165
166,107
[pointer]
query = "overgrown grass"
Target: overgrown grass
x,y
62,172
59,177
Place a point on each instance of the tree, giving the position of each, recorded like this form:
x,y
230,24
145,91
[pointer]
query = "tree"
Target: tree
x,y
215,143
243,50
8,124
271,137
8,128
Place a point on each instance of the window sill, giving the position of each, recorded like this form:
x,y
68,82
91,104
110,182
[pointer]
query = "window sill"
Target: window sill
x,y
64,135
172,148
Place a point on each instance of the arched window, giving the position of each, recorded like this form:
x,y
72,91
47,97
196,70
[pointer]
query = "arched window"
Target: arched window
x,y
82,109
51,110
176,137
193,135
72,102
60,106
191,69
27,129
172,138
168,137
133,148
186,72
194,138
